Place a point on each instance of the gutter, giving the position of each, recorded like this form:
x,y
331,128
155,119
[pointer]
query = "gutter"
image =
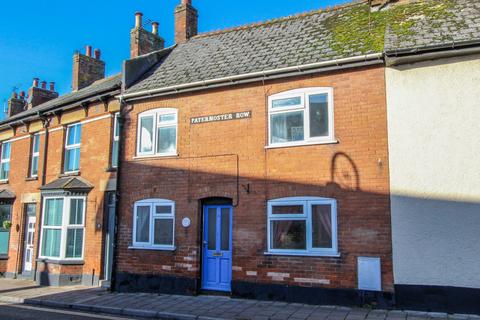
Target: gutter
x,y
337,64
407,56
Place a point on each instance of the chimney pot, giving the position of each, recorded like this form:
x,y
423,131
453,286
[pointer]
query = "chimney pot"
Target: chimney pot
x,y
22,95
88,50
14,95
97,54
35,82
155,28
44,84
52,86
138,19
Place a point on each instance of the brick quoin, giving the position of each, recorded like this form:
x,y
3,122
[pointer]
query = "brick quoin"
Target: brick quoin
x,y
354,171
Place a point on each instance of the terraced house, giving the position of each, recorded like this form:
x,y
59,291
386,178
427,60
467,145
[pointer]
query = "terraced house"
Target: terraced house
x,y
58,178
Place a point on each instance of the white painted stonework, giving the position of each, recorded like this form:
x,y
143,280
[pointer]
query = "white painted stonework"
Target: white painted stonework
x,y
434,146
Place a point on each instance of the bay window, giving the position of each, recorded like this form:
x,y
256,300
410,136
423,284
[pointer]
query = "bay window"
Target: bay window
x,y
63,228
157,132
154,224
5,161
301,116
72,148
302,226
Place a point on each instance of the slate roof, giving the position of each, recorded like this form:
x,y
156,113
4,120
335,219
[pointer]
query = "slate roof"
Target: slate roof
x,y
69,184
7,194
100,86
313,37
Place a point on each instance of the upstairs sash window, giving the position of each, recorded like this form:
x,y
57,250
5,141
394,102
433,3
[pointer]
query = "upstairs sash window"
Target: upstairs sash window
x,y
72,148
35,155
5,161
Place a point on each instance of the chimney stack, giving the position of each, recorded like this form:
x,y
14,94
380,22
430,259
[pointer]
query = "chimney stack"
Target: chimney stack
x,y
186,21
16,104
87,69
38,95
142,41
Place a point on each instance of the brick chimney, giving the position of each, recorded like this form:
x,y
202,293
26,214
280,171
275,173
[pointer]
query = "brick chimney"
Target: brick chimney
x,y
16,104
186,21
143,41
38,95
87,69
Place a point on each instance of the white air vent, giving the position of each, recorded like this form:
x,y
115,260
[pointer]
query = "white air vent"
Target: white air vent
x,y
369,274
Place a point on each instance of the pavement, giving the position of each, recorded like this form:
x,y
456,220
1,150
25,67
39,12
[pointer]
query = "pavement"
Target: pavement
x,y
175,307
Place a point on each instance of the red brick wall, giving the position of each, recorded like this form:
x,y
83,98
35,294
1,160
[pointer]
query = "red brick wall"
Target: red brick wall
x,y
94,162
354,171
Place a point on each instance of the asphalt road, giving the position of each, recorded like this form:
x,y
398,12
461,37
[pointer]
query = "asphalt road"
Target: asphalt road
x,y
23,312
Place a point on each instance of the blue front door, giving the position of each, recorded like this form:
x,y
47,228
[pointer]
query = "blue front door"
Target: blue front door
x,y
217,248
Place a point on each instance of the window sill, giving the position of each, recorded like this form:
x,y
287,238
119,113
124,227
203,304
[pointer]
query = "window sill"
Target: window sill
x,y
4,181
3,257
31,178
304,254
61,262
301,144
69,174
154,156
153,248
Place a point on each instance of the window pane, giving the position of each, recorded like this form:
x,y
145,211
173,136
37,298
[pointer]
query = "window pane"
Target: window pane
x,y
72,159
4,234
116,126
288,234
322,226
4,170
115,154
6,151
53,212
36,143
286,127
74,134
31,209
225,237
34,170
76,211
166,117
5,210
74,243
167,140
294,209
146,134
51,242
163,209
163,232
143,224
212,229
318,115
288,102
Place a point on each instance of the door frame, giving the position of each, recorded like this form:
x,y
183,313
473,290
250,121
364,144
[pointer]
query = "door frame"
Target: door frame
x,y
204,208
25,235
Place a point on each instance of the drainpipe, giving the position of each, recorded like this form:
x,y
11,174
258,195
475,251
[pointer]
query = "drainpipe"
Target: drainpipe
x,y
46,125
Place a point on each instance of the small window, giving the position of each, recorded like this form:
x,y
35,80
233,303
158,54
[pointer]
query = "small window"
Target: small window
x,y
5,161
302,226
35,155
63,228
115,141
154,224
157,132
72,148
303,116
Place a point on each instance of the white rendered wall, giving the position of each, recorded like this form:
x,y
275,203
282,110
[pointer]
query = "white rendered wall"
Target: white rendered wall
x,y
434,147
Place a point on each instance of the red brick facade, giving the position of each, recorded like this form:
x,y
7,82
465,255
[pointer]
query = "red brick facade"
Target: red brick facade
x,y
354,171
95,157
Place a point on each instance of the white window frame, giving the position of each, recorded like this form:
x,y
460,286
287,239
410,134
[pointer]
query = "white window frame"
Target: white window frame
x,y
35,155
156,113
152,203
307,203
73,146
64,227
304,106
116,138
3,161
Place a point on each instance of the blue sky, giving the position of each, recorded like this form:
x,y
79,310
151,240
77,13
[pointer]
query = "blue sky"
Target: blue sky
x,y
38,37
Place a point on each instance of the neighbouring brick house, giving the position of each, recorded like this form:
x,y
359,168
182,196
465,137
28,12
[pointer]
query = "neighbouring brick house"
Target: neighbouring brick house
x,y
58,178
255,161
